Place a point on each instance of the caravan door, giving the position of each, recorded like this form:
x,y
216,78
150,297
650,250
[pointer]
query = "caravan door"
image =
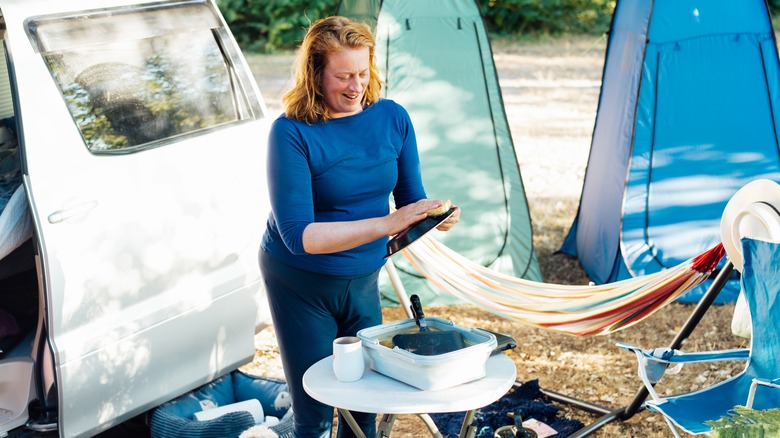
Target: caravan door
x,y
141,130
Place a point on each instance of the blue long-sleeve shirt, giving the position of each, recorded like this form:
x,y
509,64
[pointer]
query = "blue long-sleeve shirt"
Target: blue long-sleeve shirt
x,y
341,170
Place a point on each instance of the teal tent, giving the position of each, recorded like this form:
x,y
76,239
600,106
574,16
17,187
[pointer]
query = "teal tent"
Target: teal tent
x,y
437,62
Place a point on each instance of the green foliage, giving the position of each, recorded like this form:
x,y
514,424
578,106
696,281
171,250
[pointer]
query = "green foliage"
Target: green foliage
x,y
267,26
747,423
774,6
505,17
272,25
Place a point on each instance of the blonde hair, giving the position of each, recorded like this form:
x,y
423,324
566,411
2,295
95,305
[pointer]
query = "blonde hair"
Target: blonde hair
x,y
305,100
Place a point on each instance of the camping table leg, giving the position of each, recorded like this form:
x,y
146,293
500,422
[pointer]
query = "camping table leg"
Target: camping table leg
x,y
468,430
352,423
431,425
385,425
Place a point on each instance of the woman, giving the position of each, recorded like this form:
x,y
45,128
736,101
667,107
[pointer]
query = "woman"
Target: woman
x,y
335,156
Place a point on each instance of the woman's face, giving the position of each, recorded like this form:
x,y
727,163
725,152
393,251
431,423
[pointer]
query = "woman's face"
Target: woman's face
x,y
345,80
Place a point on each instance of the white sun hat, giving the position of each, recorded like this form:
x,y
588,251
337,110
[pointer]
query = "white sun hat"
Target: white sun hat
x,y
754,211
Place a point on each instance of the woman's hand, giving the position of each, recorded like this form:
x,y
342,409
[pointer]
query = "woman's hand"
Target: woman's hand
x,y
451,221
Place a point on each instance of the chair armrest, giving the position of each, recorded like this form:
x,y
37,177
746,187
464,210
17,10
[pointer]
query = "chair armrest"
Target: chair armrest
x,y
752,393
653,363
671,356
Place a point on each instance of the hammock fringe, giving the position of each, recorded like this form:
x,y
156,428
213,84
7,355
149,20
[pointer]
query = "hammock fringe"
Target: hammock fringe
x,y
708,260
571,309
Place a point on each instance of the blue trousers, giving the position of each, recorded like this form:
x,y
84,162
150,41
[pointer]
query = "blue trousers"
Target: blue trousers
x,y
309,311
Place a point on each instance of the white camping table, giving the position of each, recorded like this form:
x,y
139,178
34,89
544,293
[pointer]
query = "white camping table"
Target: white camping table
x,y
378,393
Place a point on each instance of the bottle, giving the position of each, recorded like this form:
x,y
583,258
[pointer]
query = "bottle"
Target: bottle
x,y
515,431
520,430
504,432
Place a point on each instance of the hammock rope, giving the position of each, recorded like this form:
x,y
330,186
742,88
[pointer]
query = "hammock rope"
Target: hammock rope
x,y
570,309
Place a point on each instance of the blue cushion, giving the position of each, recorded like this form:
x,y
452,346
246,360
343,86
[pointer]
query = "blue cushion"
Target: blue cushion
x,y
163,424
175,418
219,391
272,393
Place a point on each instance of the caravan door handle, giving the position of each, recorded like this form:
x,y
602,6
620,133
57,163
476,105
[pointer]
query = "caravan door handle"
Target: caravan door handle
x,y
72,211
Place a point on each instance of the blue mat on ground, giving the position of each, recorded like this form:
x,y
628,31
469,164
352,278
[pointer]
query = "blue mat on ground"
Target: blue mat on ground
x,y
526,398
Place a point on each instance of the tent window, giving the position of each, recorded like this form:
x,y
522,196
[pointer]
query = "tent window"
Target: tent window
x,y
153,74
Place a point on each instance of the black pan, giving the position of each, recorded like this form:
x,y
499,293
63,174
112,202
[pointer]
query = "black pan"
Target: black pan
x,y
409,235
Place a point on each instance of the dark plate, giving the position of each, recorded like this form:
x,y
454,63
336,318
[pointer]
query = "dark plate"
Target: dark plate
x,y
409,235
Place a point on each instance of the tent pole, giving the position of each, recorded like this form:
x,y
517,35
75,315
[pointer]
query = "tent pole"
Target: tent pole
x,y
636,404
577,403
400,291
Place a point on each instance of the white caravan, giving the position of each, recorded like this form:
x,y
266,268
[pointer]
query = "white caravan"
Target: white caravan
x,y
132,177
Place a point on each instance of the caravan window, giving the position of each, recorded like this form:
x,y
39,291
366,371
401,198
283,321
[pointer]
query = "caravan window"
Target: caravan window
x,y
133,78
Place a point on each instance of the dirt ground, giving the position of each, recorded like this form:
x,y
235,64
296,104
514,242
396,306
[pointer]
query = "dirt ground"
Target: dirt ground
x,y
550,89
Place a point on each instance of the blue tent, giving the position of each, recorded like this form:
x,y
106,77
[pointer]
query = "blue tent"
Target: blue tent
x,y
687,115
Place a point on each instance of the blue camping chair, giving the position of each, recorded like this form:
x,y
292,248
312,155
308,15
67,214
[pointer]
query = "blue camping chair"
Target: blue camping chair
x,y
758,385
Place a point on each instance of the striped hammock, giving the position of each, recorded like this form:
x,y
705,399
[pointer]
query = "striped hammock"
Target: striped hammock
x,y
574,310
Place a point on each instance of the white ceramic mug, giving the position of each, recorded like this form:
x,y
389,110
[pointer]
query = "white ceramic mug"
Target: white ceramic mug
x,y
348,362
